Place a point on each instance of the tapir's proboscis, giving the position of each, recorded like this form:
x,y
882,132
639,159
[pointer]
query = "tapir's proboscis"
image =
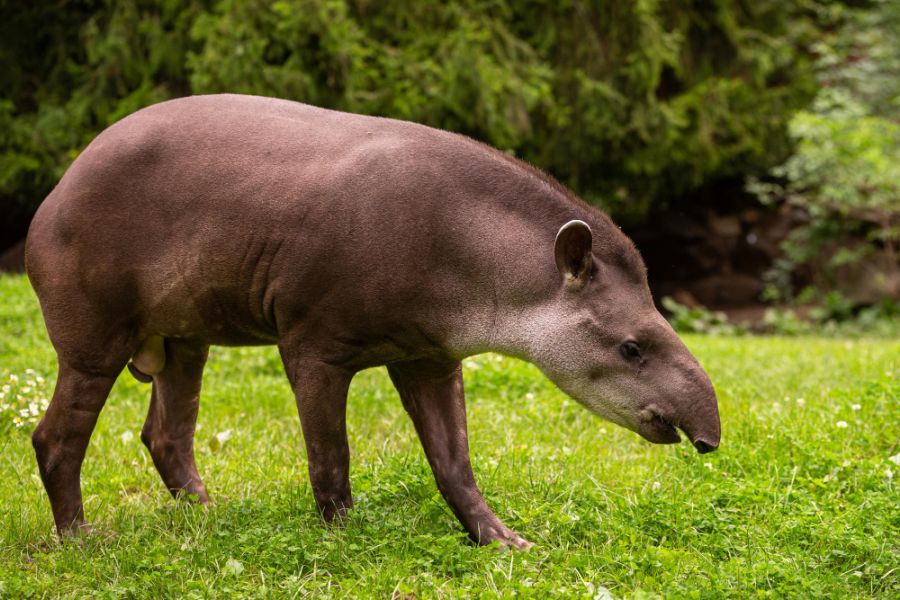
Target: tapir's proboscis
x,y
349,242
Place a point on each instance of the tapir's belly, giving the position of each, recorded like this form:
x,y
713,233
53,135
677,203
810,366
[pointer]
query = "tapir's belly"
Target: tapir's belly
x,y
216,294
216,318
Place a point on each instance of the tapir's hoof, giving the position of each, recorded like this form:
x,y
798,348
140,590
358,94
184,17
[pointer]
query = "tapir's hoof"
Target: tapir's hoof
x,y
517,542
505,538
79,534
195,496
74,531
335,514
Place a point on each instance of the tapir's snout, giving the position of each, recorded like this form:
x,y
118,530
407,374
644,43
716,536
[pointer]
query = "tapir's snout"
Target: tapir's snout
x,y
693,409
701,426
704,447
700,420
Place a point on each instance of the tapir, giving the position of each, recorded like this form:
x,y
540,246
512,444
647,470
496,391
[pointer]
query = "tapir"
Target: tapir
x,y
349,242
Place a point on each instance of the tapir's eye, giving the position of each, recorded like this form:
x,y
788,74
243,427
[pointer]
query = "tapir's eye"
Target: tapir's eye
x,y
630,350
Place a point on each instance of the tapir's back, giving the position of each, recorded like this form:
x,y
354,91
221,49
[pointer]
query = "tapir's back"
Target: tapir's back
x,y
197,206
223,153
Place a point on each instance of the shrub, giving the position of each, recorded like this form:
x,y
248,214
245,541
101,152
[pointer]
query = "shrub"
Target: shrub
x,y
844,173
685,319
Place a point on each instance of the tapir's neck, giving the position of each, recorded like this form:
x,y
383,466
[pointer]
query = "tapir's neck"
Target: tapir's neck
x,y
517,287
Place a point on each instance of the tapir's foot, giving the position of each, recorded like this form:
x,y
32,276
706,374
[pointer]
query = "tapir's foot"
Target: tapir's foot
x,y
77,533
336,510
502,535
84,534
195,494
510,538
74,530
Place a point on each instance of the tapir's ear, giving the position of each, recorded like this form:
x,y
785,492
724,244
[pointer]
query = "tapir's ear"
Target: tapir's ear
x,y
573,253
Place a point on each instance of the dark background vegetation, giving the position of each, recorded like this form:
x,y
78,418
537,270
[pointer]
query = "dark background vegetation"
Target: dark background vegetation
x,y
751,148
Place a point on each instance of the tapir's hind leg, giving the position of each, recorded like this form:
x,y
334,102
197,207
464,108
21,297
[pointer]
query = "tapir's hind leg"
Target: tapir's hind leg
x,y
432,393
169,429
62,436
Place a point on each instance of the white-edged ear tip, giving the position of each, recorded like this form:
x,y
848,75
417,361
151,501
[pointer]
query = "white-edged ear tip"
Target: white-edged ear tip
x,y
574,223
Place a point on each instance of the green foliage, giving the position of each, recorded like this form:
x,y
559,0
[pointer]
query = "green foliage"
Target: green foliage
x,y
845,172
686,319
631,103
847,162
800,500
833,316
785,322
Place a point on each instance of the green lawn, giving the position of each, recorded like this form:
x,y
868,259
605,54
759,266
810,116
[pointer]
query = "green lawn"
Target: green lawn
x,y
799,501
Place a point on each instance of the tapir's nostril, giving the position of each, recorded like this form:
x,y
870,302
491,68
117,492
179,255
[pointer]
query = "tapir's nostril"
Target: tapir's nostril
x,y
703,447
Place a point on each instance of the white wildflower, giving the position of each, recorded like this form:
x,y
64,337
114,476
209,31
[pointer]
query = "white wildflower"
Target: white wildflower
x,y
895,459
529,396
126,437
855,406
234,567
801,401
708,465
655,487
841,424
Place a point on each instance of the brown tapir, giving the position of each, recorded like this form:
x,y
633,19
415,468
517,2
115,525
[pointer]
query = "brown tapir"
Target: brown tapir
x,y
349,241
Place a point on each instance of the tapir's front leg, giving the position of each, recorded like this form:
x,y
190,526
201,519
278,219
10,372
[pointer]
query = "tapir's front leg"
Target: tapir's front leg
x,y
432,393
321,393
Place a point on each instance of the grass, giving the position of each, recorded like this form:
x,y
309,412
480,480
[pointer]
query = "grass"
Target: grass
x,y
794,504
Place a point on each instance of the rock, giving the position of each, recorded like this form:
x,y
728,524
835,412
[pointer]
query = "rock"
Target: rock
x,y
728,290
686,298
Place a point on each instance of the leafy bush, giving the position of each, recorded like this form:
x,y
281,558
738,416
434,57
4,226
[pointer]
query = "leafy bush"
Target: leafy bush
x,y
785,322
685,319
844,173
835,316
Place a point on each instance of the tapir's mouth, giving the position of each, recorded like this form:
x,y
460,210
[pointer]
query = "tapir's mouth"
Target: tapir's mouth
x,y
659,430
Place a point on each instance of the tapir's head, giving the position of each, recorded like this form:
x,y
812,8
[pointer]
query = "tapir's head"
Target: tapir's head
x,y
607,346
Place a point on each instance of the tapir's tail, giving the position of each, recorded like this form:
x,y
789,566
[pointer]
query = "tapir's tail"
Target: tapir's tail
x,y
149,360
